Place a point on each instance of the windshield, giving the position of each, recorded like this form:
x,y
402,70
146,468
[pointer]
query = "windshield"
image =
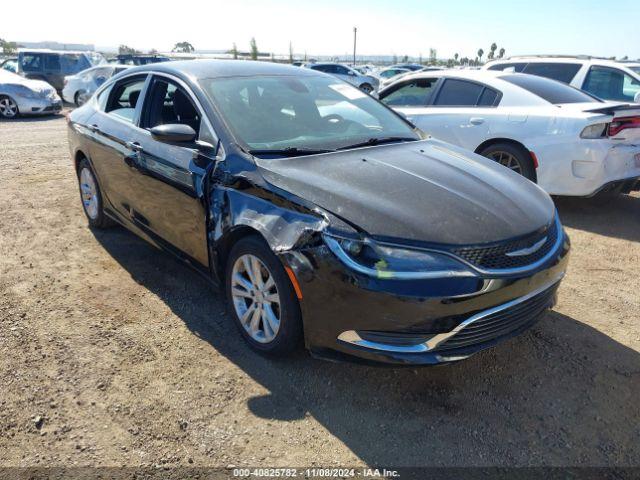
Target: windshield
x,y
550,90
270,113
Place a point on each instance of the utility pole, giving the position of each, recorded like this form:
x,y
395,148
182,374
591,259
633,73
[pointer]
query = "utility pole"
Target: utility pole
x,y
355,32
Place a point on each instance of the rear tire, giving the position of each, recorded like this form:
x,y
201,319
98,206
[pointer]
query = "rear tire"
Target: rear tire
x,y
366,88
91,197
513,157
261,298
77,99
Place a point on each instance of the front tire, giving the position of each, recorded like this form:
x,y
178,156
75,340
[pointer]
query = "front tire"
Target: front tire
x,y
78,99
8,107
91,196
261,299
513,157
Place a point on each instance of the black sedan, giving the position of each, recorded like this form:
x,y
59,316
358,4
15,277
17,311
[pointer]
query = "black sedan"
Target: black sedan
x,y
325,217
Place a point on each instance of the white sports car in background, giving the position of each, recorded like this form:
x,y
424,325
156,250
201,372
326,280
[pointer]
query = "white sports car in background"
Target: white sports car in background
x,y
567,141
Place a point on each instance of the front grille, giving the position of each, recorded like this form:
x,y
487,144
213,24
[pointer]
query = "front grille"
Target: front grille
x,y
503,323
495,257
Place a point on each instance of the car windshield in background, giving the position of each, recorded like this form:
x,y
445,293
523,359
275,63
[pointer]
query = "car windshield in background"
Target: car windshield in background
x,y
303,114
635,69
549,90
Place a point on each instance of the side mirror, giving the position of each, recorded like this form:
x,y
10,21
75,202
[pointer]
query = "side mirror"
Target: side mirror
x,y
173,133
636,99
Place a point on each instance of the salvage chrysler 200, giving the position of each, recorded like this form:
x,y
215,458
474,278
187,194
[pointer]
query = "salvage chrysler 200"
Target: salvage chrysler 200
x,y
325,216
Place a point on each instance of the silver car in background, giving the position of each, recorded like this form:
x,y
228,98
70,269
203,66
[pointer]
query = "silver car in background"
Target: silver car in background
x,y
21,96
78,88
366,83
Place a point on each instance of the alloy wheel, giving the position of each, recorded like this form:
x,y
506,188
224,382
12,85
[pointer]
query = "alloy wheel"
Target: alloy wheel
x,y
508,160
8,108
89,192
255,298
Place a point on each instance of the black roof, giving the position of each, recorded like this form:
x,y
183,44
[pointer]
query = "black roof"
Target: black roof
x,y
222,68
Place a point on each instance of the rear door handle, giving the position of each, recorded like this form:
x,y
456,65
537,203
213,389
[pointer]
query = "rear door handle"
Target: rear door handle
x,y
135,146
476,121
94,128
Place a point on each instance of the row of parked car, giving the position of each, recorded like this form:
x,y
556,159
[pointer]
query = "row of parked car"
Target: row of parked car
x,y
27,80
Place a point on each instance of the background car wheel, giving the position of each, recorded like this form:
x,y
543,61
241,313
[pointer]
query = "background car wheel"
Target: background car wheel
x,y
79,99
91,196
366,88
261,298
512,156
8,107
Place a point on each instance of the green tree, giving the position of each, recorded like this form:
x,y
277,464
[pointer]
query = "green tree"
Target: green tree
x,y
8,48
126,50
183,47
234,51
501,53
433,56
480,53
492,51
254,49
290,52
455,58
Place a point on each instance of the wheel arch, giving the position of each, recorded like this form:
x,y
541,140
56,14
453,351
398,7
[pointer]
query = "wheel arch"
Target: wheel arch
x,y
222,247
496,140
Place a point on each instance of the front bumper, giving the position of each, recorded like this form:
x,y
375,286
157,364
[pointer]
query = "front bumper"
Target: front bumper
x,y
39,106
348,316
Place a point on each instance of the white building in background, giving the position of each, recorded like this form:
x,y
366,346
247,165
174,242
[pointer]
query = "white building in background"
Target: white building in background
x,y
83,47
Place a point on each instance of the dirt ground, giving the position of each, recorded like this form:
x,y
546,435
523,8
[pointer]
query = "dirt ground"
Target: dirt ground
x,y
112,353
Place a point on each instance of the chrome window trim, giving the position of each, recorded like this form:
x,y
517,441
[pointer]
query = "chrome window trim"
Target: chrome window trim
x,y
352,337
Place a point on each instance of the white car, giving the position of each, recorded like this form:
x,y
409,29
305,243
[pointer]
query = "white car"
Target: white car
x,y
366,83
606,79
567,141
387,75
78,88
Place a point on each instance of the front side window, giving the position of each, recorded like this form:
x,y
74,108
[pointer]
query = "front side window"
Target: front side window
x,y
563,72
124,97
340,70
168,103
459,93
550,90
611,84
31,62
305,112
415,93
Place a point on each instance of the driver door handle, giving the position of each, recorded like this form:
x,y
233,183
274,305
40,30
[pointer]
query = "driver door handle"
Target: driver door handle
x,y
135,146
94,128
476,121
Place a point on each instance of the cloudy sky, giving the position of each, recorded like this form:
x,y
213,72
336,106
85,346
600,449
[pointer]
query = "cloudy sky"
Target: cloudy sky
x,y
325,27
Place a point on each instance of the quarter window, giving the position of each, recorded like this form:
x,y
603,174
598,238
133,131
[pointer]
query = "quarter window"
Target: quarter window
x,y
415,93
563,72
459,93
611,84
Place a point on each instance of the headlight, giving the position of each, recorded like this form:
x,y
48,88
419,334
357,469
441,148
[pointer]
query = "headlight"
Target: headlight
x,y
25,92
597,130
382,261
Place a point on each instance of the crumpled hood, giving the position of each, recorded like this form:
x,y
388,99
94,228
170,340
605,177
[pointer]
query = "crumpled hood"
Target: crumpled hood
x,y
427,191
39,86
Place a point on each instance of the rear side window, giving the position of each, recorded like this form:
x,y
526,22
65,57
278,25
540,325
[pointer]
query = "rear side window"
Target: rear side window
x,y
513,67
461,93
611,84
563,72
550,90
73,63
124,97
415,93
52,62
